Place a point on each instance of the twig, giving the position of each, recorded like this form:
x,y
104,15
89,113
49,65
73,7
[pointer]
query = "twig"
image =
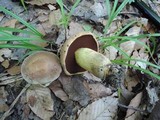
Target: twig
x,y
7,113
131,107
11,79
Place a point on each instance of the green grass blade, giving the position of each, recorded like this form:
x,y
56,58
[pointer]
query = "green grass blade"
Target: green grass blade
x,y
108,7
21,20
122,52
74,6
137,68
15,38
111,17
124,28
23,4
60,3
130,37
3,33
20,46
15,30
119,9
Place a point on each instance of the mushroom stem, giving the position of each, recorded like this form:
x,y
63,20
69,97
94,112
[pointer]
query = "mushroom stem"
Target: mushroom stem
x,y
92,61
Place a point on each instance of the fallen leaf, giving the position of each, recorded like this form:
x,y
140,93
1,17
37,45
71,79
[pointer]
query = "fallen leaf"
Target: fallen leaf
x,y
3,97
5,64
133,31
41,2
141,55
155,112
91,77
40,101
54,17
10,23
51,7
14,70
127,47
99,9
135,102
97,90
75,28
6,52
131,80
73,86
111,52
43,18
26,111
152,94
102,109
56,88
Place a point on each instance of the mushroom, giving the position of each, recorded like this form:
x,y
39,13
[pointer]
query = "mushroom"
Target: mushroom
x,y
80,53
41,68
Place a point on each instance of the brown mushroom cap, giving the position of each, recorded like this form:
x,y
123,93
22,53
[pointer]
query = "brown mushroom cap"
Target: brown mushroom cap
x,y
67,54
41,68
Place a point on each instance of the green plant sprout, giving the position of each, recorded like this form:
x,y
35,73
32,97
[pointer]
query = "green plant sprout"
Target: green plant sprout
x,y
114,11
23,4
66,16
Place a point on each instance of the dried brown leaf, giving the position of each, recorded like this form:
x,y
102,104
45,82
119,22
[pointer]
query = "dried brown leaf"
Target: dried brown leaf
x,y
40,101
54,17
102,109
14,70
75,89
56,88
133,31
5,64
97,90
127,47
135,102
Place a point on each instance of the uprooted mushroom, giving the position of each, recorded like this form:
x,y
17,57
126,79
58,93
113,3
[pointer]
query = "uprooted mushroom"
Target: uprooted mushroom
x,y
41,68
80,53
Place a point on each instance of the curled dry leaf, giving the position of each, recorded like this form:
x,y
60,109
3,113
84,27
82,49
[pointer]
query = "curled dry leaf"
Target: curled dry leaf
x,y
40,102
3,97
5,63
91,77
128,47
54,17
111,52
6,52
97,90
133,31
102,109
75,89
56,88
14,70
135,102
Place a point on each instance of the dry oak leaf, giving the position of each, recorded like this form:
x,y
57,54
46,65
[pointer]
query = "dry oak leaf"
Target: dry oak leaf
x,y
56,88
102,109
98,90
40,102
135,102
14,70
75,89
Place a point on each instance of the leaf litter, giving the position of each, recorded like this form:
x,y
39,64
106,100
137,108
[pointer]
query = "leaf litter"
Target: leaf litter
x,y
76,97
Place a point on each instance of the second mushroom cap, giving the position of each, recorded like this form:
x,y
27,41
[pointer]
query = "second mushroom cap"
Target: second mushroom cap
x,y
41,68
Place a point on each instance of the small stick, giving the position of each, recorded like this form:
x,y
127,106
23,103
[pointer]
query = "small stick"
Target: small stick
x,y
7,113
131,107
